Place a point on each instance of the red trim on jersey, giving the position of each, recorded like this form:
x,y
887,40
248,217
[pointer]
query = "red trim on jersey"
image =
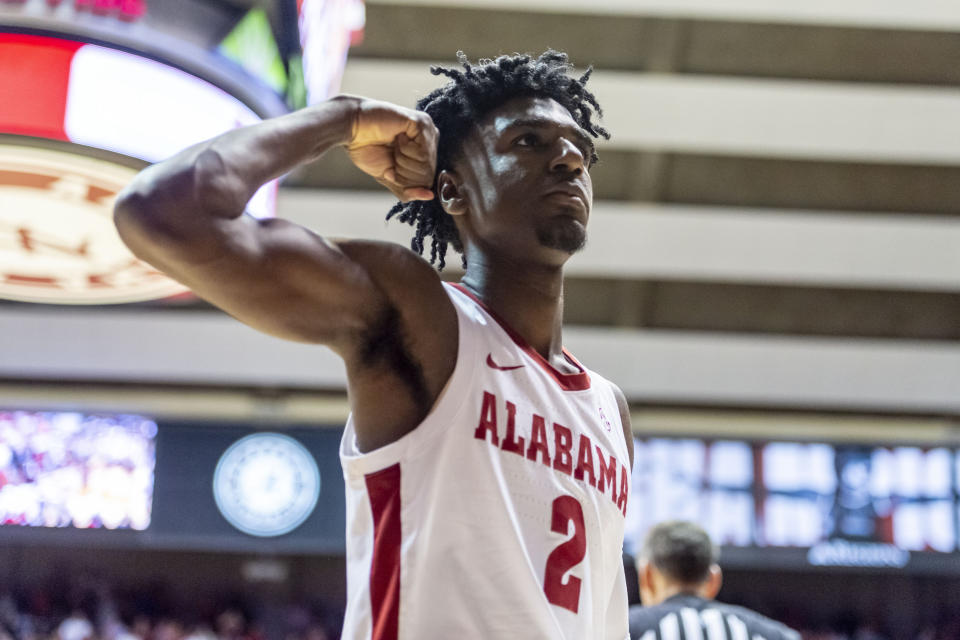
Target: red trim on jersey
x,y
567,381
383,489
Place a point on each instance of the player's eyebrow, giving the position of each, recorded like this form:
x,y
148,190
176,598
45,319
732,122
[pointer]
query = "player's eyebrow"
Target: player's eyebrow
x,y
583,138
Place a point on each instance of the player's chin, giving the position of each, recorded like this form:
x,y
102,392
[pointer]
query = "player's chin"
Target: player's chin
x,y
563,233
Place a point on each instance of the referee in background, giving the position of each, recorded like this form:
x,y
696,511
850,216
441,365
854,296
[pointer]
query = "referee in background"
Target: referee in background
x,y
679,577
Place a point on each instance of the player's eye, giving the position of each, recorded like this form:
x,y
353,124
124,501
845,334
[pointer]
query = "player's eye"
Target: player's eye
x,y
527,140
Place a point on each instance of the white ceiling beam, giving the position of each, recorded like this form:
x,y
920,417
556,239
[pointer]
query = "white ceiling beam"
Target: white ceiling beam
x,y
767,371
657,366
738,116
181,403
638,240
932,15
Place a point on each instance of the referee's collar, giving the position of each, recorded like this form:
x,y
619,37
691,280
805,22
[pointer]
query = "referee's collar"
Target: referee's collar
x,y
684,598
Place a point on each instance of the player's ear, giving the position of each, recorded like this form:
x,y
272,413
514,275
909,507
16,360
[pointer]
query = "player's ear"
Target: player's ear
x,y
450,193
714,581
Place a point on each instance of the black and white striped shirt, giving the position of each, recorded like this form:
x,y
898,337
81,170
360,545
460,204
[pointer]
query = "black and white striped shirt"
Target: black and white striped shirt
x,y
688,617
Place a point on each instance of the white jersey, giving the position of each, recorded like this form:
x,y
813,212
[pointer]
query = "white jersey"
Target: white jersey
x,y
501,516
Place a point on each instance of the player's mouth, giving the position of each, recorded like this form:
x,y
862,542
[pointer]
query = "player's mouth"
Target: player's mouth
x,y
570,192
572,198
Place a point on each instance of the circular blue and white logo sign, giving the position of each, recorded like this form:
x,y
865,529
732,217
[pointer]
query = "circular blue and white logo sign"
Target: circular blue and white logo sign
x,y
266,484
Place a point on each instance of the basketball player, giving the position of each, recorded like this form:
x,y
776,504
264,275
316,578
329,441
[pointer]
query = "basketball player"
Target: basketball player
x,y
486,468
679,578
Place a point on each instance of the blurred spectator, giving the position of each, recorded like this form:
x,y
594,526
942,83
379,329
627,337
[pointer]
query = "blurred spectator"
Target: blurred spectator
x,y
200,632
83,608
168,629
75,627
230,625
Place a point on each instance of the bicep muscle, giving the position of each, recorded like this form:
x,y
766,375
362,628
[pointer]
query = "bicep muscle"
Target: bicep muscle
x,y
275,276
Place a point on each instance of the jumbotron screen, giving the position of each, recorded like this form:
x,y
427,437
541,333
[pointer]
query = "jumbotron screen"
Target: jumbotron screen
x,y
60,469
847,504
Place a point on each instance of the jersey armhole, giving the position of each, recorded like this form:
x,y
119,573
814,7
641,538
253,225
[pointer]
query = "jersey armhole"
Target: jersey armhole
x,y
444,413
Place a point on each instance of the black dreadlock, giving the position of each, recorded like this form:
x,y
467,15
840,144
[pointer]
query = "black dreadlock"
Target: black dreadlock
x,y
469,96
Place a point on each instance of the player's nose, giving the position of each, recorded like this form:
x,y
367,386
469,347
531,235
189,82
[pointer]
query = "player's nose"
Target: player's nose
x,y
568,158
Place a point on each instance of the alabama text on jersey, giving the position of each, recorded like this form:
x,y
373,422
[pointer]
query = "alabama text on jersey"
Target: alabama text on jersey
x,y
501,516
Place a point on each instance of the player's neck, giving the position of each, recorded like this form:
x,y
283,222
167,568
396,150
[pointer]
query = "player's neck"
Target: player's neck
x,y
529,299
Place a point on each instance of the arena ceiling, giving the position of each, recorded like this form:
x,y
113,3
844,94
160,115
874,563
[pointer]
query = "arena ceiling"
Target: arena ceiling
x,y
789,171
782,138
777,216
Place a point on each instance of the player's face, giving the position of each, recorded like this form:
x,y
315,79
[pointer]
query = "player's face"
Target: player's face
x,y
526,182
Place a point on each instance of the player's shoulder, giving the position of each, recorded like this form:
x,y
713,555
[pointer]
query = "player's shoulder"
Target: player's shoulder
x,y
622,403
377,254
402,275
624,406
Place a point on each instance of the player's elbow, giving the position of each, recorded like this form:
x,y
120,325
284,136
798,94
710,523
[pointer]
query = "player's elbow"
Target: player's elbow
x,y
171,192
152,221
148,201
138,229
179,211
157,195
131,217
132,203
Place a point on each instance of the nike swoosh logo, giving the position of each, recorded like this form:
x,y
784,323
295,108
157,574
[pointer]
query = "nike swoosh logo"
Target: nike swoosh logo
x,y
494,365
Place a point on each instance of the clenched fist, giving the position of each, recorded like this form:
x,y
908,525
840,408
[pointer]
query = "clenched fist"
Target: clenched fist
x,y
395,145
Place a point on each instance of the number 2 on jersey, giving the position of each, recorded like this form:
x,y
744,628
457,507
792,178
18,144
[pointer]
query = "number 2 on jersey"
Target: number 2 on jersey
x,y
566,555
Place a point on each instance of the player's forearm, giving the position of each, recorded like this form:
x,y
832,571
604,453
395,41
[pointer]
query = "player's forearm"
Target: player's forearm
x,y
218,177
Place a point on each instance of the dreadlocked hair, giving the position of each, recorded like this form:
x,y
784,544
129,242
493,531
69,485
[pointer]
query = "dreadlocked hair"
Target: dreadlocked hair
x,y
470,95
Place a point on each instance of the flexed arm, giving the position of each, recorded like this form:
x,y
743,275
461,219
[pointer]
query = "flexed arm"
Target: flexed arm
x,y
185,217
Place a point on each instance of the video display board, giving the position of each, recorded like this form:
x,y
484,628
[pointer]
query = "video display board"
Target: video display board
x,y
842,504
192,511
126,481
119,480
60,469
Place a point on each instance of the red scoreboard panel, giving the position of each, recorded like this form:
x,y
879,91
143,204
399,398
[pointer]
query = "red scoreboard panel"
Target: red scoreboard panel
x,y
126,10
93,90
80,119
